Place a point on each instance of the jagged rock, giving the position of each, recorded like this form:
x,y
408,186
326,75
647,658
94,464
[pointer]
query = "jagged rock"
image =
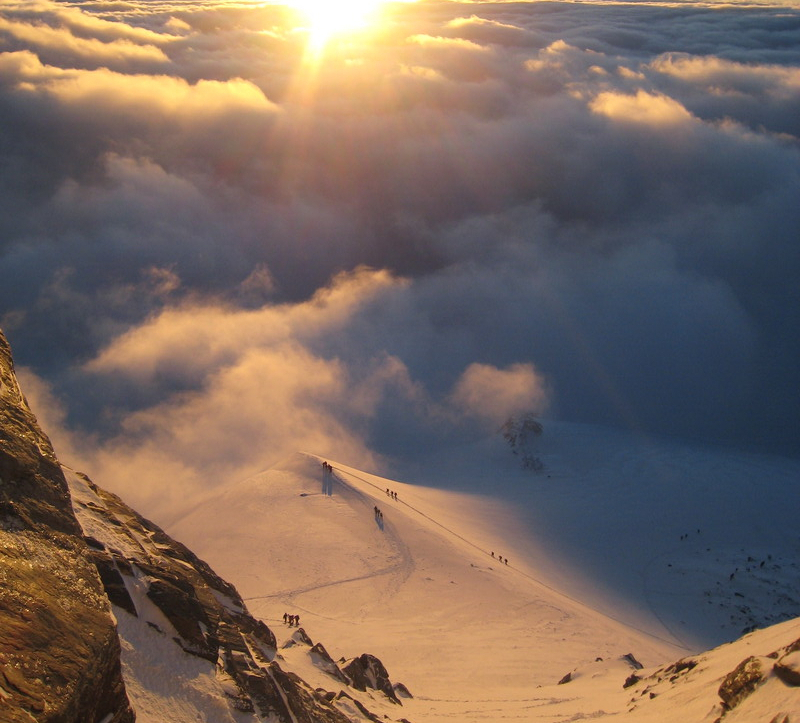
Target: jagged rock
x,y
566,679
321,658
58,663
402,691
788,668
327,695
112,581
632,661
632,679
177,600
305,706
791,648
367,671
298,637
741,682
341,695
366,712
676,669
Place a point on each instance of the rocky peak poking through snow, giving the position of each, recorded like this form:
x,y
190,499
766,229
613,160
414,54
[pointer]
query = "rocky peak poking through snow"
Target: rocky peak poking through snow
x,y
521,433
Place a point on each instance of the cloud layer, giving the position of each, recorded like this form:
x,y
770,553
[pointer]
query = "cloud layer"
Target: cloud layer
x,y
215,250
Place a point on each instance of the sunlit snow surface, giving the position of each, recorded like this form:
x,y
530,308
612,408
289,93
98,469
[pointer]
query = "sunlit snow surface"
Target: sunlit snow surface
x,y
620,545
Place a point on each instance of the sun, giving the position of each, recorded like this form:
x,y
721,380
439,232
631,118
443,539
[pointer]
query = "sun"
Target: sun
x,y
326,19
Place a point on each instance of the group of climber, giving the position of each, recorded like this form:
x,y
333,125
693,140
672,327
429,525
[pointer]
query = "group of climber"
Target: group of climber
x,y
291,620
327,467
503,560
378,513
390,493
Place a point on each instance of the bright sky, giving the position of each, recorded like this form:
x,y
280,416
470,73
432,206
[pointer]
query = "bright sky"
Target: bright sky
x,y
329,19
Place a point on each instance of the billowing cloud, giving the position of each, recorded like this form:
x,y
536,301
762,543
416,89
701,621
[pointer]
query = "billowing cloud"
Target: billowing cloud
x,y
437,214
645,108
494,395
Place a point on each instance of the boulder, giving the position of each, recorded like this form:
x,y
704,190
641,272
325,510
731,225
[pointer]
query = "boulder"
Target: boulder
x,y
632,679
402,691
788,668
367,671
631,660
741,682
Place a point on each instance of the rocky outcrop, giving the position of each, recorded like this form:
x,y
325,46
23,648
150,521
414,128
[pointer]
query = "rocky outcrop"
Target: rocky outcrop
x,y
788,668
367,671
59,651
741,682
744,680
521,433
321,658
307,707
402,691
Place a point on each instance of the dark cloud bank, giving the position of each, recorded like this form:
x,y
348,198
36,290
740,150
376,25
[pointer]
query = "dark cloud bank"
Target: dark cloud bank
x,y
588,209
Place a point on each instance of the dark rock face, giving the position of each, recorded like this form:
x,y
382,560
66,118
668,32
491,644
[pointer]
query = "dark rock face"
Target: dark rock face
x,y
366,671
631,660
402,691
632,679
520,433
112,581
741,682
788,668
305,705
323,661
59,651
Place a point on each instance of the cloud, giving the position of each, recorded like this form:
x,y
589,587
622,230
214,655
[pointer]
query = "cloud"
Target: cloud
x,y
124,97
644,108
448,207
61,43
493,395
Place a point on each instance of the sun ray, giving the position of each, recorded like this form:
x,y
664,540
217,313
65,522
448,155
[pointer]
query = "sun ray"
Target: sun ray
x,y
326,19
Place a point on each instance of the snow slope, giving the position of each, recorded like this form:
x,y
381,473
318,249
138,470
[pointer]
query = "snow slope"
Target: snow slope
x,y
605,558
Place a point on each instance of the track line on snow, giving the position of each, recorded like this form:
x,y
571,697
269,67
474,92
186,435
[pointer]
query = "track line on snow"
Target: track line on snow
x,y
404,566
675,642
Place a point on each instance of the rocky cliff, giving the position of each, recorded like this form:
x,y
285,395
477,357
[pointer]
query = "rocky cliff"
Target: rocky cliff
x,y
59,651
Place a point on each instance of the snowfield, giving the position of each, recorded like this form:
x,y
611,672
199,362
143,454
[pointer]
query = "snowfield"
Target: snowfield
x,y
619,546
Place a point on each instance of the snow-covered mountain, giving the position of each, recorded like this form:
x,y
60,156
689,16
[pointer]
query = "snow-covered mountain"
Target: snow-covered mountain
x,y
583,588
426,585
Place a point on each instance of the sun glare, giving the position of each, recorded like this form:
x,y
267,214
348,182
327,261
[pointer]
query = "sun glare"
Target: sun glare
x,y
326,19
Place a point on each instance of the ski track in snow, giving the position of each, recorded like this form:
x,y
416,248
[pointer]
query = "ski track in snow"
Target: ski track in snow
x,y
675,639
398,571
